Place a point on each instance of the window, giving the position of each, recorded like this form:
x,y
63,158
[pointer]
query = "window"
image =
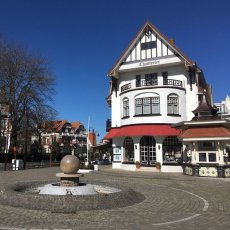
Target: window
x,y
128,149
126,107
148,45
172,150
150,79
173,104
138,80
207,146
165,78
165,75
147,105
207,151
227,153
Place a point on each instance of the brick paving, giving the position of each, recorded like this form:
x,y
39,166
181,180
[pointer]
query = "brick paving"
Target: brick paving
x,y
172,201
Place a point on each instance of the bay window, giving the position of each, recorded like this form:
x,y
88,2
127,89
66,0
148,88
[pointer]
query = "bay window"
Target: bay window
x,y
147,105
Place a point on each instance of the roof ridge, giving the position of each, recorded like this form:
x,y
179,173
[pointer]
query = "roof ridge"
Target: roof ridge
x,y
157,31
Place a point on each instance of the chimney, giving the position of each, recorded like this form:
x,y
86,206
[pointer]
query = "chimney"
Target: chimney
x,y
172,41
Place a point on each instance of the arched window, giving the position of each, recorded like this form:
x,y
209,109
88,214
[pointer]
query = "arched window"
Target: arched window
x,y
125,107
173,104
128,149
147,105
172,150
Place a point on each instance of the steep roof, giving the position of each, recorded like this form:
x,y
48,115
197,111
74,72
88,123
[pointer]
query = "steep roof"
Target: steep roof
x,y
75,125
204,110
92,139
149,25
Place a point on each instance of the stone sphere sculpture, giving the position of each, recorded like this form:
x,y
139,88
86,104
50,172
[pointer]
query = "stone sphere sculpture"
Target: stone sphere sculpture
x,y
70,164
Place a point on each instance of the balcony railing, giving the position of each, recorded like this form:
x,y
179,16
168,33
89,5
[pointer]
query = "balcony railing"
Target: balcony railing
x,y
125,87
146,83
152,82
172,82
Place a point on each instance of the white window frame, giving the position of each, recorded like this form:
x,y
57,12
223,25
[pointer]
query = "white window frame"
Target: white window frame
x,y
207,156
148,103
173,104
125,106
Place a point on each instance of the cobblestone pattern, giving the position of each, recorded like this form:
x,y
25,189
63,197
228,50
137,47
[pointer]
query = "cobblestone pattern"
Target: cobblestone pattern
x,y
173,201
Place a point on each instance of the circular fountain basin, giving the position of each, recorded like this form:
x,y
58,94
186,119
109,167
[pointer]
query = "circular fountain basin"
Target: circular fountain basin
x,y
81,189
57,189
25,194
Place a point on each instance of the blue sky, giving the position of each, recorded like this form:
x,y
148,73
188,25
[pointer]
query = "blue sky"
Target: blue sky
x,y
83,39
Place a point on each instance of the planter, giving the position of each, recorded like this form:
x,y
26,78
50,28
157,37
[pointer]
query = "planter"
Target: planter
x,y
158,165
138,166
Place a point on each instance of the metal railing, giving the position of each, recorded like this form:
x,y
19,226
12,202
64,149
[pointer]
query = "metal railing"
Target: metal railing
x,y
172,82
152,82
125,87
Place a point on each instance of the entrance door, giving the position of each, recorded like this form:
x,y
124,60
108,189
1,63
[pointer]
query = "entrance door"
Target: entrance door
x,y
148,150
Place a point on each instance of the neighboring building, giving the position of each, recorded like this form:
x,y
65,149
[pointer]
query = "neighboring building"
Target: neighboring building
x,y
64,132
5,128
224,107
206,140
152,86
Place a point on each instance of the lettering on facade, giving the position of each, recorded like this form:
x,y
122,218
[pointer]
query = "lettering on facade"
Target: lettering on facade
x,y
147,63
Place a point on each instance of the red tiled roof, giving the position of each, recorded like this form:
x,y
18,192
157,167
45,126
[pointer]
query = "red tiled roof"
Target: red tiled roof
x,y
75,125
205,132
92,138
57,125
143,130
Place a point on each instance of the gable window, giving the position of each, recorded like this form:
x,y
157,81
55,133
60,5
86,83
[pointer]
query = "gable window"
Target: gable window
x,y
173,104
147,105
148,45
126,107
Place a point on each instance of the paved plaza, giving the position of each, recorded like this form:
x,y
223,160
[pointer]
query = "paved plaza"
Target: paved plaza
x,y
172,201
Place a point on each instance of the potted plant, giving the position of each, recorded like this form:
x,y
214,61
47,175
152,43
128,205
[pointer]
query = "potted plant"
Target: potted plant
x,y
158,165
138,164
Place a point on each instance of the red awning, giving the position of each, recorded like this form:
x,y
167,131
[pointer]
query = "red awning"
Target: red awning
x,y
142,130
206,132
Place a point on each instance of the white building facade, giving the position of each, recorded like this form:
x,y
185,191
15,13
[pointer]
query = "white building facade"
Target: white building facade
x,y
224,107
153,85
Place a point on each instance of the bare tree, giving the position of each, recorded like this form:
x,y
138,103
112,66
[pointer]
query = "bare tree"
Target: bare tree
x,y
26,84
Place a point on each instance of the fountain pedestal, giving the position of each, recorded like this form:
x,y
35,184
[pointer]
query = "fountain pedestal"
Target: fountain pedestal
x,y
69,179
